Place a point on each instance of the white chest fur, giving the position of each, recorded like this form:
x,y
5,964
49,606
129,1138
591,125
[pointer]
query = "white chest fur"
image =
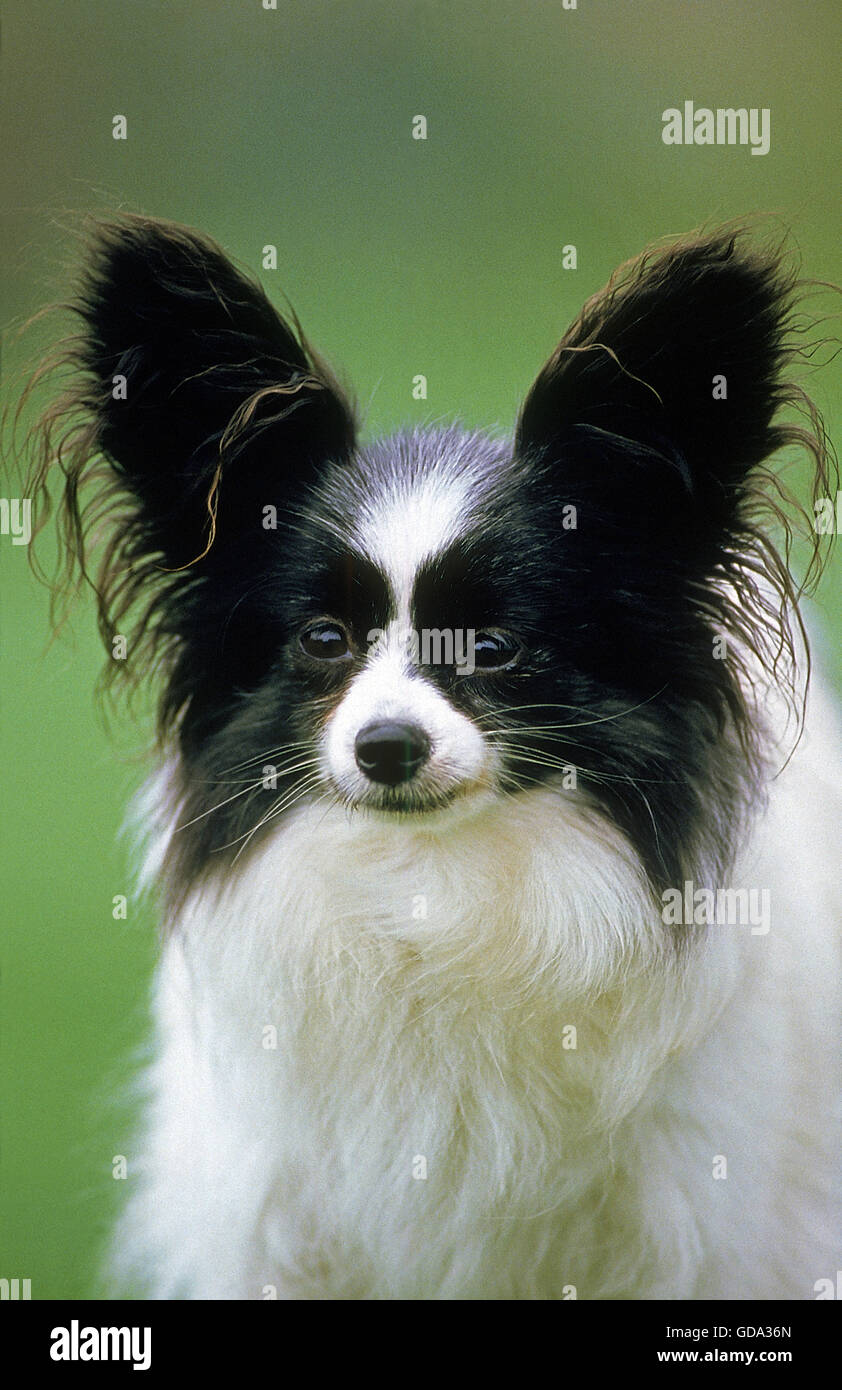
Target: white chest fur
x,y
417,1064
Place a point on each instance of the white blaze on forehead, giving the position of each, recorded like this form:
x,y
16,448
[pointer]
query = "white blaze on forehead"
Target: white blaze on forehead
x,y
413,521
416,497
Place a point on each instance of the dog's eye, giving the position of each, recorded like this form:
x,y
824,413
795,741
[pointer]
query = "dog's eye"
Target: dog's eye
x,y
326,641
494,650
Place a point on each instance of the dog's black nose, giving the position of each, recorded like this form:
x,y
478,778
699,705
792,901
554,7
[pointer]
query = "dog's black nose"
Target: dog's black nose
x,y
391,752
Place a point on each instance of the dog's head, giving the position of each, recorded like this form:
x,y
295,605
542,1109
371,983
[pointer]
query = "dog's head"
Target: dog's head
x,y
438,619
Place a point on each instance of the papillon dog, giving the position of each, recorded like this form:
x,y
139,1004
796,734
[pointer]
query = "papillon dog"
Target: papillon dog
x,y
499,875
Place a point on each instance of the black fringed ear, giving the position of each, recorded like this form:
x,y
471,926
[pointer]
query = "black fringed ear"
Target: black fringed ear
x,y
652,422
193,410
184,360
663,391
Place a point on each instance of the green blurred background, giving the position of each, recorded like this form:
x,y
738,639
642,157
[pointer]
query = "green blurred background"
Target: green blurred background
x,y
293,127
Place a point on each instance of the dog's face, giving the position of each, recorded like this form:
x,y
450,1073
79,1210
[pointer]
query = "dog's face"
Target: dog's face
x,y
444,642
418,640
416,646
438,620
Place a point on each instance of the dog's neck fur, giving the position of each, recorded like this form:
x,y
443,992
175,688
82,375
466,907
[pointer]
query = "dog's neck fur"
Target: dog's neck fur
x,y
369,992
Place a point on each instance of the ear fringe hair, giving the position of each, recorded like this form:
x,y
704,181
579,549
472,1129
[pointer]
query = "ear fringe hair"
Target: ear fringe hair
x,y
755,598
103,542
